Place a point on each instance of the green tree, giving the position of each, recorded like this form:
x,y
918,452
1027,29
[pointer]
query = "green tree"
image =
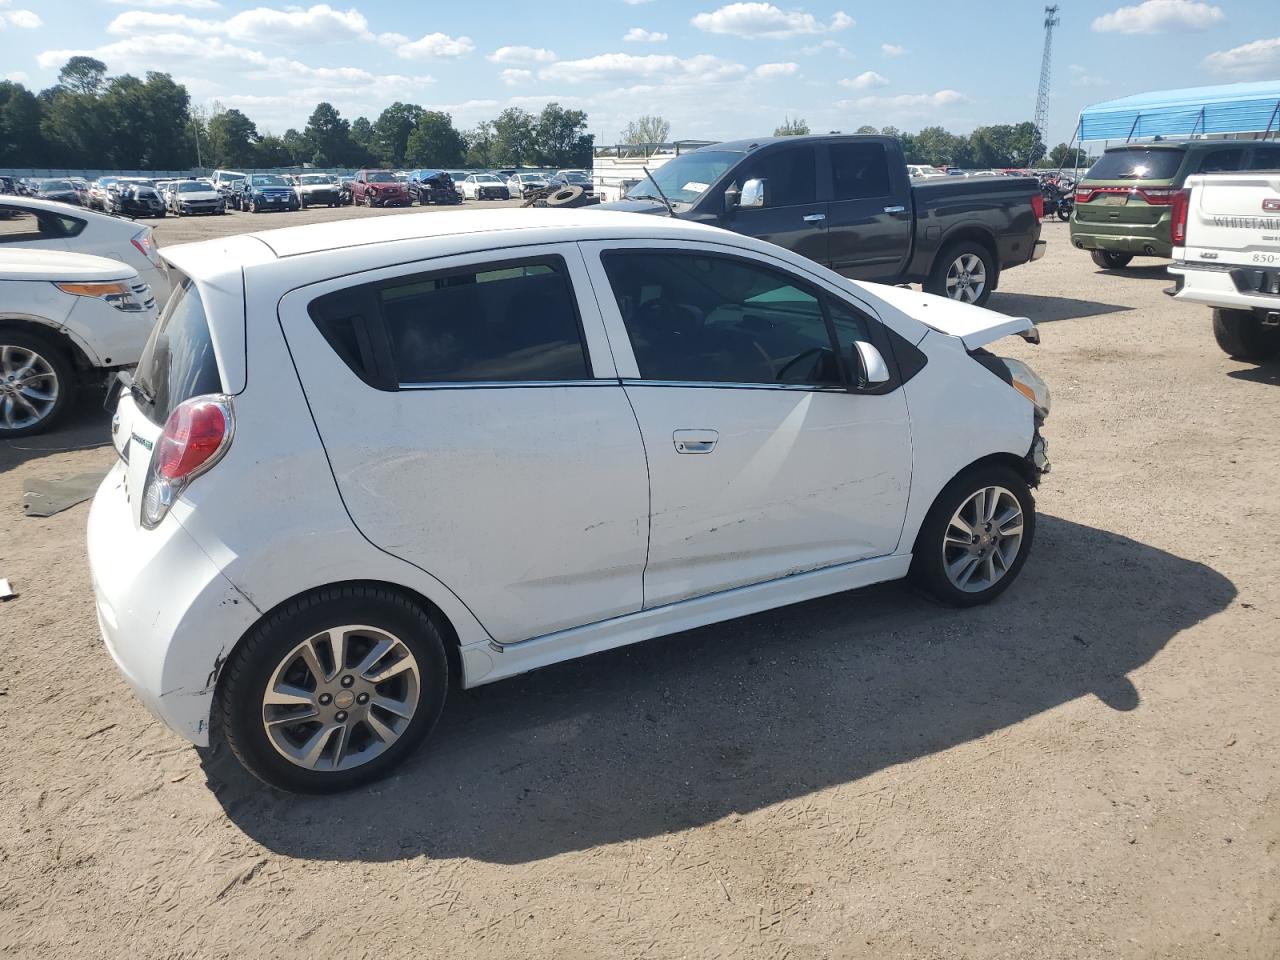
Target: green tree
x,y
792,128
434,142
391,132
21,143
513,138
76,131
148,121
294,143
328,137
272,151
647,129
232,139
362,133
83,75
561,138
480,142
866,129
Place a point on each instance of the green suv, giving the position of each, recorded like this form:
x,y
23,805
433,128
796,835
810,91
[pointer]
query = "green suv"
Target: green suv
x,y
1124,203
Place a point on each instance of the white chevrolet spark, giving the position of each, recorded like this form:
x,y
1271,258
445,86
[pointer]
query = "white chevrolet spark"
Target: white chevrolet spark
x,y
363,460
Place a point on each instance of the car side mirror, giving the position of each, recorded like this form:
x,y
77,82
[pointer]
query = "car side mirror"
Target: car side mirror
x,y
755,193
732,197
872,369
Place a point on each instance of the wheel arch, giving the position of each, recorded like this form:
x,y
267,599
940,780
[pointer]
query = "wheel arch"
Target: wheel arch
x,y
970,232
1022,466
82,358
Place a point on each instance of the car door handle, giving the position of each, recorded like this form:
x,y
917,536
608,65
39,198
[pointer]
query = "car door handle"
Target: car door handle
x,y
695,441
814,217
896,209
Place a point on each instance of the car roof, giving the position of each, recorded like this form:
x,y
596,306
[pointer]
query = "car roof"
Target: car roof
x,y
517,224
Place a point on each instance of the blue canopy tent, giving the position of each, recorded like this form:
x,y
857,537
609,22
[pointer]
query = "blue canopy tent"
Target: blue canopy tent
x,y
1231,108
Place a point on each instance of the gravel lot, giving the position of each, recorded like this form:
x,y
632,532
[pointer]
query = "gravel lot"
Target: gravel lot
x,y
1087,768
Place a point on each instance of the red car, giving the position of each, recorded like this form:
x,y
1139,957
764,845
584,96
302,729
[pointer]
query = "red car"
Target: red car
x,y
379,188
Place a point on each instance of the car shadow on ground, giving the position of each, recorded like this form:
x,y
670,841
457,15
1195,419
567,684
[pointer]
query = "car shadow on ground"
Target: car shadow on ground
x,y
83,427
1044,309
682,731
1263,373
1145,271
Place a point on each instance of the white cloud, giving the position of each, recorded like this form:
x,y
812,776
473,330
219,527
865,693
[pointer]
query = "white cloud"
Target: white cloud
x,y
513,77
641,35
1160,16
17,76
865,81
771,71
158,4
25,19
892,50
828,44
765,20
907,102
435,46
522,55
1081,77
1256,59
317,24
621,67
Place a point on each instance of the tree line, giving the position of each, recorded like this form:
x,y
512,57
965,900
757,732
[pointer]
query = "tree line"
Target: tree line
x,y
90,120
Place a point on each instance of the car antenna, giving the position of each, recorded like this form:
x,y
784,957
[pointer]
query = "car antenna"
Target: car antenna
x,y
671,211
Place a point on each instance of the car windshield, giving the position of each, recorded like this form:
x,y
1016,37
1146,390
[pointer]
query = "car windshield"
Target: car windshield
x,y
575,178
269,181
381,178
687,177
315,178
55,186
1139,163
486,178
190,186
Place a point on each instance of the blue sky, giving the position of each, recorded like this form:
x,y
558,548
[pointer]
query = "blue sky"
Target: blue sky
x,y
716,70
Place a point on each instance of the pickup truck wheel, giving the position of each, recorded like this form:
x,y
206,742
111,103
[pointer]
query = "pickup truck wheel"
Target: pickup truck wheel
x,y
333,689
976,536
1240,334
1110,260
963,272
37,383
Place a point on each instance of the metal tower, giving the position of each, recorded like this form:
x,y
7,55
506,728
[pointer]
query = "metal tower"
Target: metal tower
x,y
1042,95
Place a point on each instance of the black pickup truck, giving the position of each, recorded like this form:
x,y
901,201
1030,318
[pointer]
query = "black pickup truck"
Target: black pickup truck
x,y
848,203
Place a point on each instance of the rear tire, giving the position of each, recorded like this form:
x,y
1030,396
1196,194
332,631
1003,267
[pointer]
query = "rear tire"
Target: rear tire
x,y
1110,260
963,271
260,661
19,349
965,554
1240,334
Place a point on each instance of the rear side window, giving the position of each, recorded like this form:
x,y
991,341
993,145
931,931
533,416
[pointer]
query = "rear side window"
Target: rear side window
x,y
1225,160
859,171
505,322
178,362
1265,158
1137,164
19,225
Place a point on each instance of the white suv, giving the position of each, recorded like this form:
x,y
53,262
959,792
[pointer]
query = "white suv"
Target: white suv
x,y
64,319
361,459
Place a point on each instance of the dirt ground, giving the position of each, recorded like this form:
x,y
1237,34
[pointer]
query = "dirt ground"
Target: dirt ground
x,y
1087,768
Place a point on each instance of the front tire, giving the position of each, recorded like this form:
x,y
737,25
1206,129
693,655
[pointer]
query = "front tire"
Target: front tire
x,y
976,536
37,383
965,272
1240,334
1110,260
333,690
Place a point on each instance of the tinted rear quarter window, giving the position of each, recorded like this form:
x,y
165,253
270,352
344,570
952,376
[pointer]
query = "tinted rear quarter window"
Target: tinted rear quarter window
x,y
178,362
1222,160
859,171
1265,158
505,322
1137,164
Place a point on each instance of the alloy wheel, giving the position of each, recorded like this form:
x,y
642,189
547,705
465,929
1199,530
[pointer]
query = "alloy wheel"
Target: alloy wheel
x,y
983,539
966,278
28,387
341,698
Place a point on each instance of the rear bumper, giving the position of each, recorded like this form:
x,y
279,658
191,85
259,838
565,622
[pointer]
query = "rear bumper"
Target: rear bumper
x,y
1038,250
1220,285
1122,238
166,613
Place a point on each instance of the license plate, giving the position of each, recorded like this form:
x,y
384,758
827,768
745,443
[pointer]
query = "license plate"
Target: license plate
x,y
1113,199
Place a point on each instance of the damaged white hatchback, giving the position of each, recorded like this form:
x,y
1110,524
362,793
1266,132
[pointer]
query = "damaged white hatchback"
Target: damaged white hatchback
x,y
363,461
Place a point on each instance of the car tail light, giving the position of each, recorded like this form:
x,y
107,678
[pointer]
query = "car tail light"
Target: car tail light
x,y
1084,195
146,245
1037,204
1180,204
195,437
1158,197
